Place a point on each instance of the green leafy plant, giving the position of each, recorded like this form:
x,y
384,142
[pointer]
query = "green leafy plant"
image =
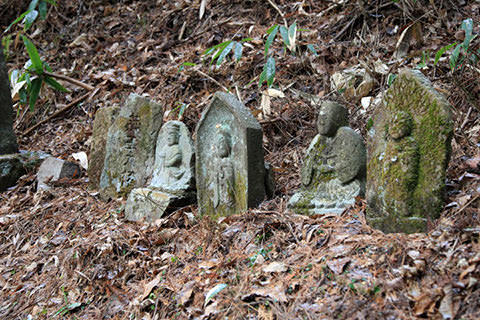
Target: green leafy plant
x,y
289,39
219,53
462,54
36,8
29,81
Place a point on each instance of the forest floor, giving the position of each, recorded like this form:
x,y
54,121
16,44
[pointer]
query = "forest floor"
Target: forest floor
x,y
66,254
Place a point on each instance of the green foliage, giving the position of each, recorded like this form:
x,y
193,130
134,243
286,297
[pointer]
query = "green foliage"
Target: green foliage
x,y
462,53
220,51
27,83
288,34
36,8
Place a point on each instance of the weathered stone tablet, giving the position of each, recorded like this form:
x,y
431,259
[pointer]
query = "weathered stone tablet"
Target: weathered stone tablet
x,y
230,169
333,173
173,176
8,140
408,152
130,147
104,119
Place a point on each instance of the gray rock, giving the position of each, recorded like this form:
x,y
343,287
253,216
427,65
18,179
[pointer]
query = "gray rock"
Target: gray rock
x,y
104,119
230,170
172,183
13,166
53,169
408,152
130,148
333,173
8,141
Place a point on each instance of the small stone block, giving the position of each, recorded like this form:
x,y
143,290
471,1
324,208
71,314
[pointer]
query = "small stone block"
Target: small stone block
x,y
53,169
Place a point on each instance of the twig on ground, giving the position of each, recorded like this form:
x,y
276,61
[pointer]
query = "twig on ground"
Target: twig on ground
x,y
71,80
213,80
279,12
55,114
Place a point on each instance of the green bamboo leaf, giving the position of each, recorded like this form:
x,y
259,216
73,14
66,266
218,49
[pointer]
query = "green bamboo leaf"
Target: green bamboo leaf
x,y
23,96
284,34
52,2
214,291
220,50
211,49
33,5
270,39
311,47
33,54
20,18
246,39
237,51
34,92
467,25
55,84
262,78
42,9
454,57
440,52
225,52
292,36
271,28
270,71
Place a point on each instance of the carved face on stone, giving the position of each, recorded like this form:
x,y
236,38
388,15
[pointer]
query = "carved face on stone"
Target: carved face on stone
x,y
223,144
173,135
331,116
400,125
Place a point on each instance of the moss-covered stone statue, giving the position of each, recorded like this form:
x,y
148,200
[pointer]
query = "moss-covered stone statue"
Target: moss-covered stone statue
x,y
130,147
333,173
172,183
408,152
230,169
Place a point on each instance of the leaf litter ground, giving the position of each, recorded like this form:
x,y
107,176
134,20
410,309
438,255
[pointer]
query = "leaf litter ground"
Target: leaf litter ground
x,y
66,254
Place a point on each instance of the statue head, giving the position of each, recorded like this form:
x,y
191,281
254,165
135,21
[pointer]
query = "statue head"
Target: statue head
x,y
223,142
331,116
400,125
173,134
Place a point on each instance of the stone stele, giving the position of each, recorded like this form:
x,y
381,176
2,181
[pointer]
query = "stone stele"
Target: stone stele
x,y
8,140
104,119
172,183
333,173
230,169
130,147
408,152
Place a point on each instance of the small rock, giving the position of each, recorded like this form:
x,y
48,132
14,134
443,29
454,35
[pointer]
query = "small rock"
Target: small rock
x,y
53,169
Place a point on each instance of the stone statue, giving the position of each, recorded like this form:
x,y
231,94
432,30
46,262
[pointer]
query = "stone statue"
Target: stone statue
x,y
408,152
400,165
334,169
169,169
223,177
172,183
231,174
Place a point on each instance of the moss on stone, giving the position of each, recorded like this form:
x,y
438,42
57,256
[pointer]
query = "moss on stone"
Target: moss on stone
x,y
422,197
